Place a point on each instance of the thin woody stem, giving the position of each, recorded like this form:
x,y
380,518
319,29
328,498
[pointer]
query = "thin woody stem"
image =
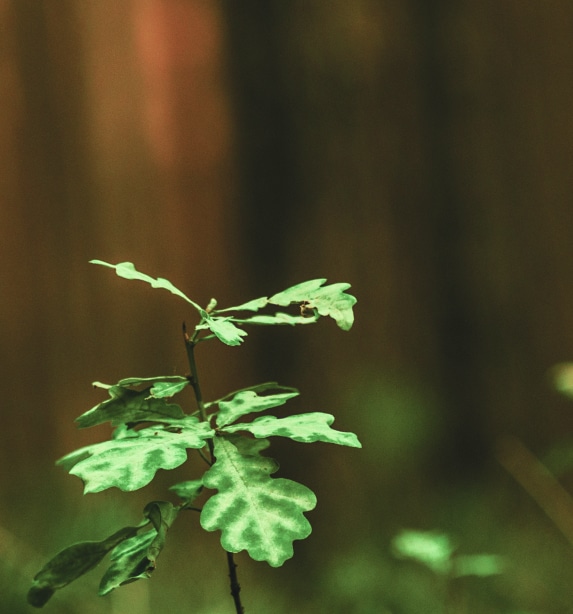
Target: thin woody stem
x,y
235,586
190,343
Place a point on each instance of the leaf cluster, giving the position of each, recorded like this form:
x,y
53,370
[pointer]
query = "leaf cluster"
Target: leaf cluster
x,y
253,510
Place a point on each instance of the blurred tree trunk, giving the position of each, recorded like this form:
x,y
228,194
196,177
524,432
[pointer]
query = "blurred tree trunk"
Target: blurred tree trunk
x,y
389,144
116,145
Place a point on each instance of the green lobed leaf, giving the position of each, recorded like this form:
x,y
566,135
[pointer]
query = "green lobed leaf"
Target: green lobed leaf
x,y
328,300
307,428
254,511
127,405
254,305
71,563
127,270
247,402
129,463
256,388
297,293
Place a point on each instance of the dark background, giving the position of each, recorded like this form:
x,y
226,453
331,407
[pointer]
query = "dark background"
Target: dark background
x,y
422,152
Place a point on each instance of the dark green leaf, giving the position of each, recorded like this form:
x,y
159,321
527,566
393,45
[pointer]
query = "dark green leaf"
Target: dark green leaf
x,y
127,405
161,514
130,463
247,402
307,428
253,511
71,563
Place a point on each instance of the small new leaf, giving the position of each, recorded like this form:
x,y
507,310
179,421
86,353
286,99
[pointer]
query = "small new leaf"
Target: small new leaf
x,y
307,428
247,402
130,463
254,511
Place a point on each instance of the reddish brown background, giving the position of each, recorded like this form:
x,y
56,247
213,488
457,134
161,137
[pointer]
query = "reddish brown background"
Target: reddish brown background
x,y
420,150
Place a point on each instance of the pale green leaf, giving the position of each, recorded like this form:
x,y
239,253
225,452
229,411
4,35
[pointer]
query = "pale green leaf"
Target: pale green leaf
x,y
224,329
328,300
254,305
127,405
127,270
253,511
298,293
256,388
161,390
247,446
247,402
130,463
138,381
307,428
278,319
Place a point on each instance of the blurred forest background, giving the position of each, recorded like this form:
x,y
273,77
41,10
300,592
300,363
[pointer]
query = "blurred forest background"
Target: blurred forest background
x,y
421,151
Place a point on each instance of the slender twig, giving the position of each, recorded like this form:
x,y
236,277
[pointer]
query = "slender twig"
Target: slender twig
x,y
190,343
235,586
